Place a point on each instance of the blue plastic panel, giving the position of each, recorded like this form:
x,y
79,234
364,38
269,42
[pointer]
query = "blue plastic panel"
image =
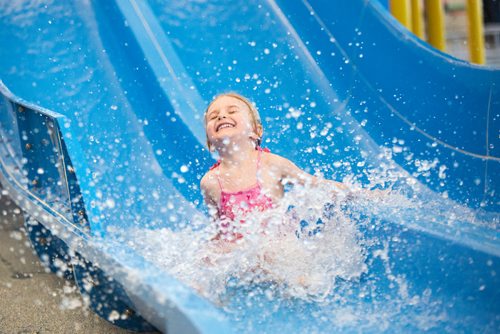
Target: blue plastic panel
x,y
341,87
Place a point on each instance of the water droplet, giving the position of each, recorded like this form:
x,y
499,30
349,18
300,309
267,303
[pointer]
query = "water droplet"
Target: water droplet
x,y
110,203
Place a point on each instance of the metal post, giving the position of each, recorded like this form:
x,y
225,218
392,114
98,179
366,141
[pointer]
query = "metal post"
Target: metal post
x,y
476,31
417,24
401,10
435,24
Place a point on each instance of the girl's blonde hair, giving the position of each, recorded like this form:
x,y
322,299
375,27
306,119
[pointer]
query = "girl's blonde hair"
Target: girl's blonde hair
x,y
257,124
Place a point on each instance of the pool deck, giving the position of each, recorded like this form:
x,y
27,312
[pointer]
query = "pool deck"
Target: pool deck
x,y
33,300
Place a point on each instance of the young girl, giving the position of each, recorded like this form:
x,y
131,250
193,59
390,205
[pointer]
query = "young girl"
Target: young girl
x,y
246,178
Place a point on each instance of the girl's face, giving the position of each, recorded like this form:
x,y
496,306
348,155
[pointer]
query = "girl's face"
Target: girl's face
x,y
228,118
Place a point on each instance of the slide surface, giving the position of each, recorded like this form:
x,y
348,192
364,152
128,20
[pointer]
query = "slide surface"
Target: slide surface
x,y
342,89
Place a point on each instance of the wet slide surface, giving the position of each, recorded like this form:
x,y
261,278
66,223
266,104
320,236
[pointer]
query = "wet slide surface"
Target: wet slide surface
x,y
342,90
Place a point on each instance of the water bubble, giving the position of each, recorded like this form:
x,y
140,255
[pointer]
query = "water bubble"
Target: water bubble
x,y
441,173
397,149
110,203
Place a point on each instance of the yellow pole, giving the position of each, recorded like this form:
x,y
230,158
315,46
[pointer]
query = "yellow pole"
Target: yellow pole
x,y
417,24
401,10
476,31
435,24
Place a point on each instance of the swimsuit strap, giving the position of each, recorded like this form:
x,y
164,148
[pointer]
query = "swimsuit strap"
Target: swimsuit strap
x,y
258,165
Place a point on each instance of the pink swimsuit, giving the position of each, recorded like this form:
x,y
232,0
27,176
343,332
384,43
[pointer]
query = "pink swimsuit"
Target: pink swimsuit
x,y
242,202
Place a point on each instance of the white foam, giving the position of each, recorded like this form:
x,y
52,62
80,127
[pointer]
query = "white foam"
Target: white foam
x,y
302,262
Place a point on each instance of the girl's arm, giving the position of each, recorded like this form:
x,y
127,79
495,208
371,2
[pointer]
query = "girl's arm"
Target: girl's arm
x,y
293,174
290,173
207,190
216,245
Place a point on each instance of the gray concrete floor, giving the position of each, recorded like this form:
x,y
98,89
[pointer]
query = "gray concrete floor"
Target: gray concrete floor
x,y
33,300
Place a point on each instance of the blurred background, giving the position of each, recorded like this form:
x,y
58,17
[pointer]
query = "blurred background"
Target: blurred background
x,y
466,29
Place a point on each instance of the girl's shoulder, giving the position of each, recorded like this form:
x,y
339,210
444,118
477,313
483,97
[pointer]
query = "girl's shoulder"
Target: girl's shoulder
x,y
209,188
275,162
272,158
208,180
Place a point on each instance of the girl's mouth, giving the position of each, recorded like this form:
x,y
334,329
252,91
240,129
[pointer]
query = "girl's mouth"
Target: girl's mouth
x,y
223,126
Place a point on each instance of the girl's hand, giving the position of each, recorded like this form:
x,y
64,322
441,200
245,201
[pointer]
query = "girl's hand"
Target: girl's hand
x,y
208,261
222,246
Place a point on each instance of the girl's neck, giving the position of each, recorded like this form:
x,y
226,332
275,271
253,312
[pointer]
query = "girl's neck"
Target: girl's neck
x,y
237,155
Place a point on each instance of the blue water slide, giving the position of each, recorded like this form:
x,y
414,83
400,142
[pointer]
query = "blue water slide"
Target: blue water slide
x,y
102,132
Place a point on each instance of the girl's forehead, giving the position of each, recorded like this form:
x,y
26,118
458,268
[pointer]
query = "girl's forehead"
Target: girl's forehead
x,y
226,101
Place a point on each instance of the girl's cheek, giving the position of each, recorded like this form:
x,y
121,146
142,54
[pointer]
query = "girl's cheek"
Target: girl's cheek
x,y
210,128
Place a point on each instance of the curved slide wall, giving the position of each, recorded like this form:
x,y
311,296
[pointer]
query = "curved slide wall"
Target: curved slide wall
x,y
130,80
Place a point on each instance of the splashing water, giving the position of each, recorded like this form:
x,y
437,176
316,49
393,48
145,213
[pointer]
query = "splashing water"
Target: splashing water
x,y
301,246
313,248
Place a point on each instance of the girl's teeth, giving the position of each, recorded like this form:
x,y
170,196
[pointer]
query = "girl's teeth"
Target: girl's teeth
x,y
224,126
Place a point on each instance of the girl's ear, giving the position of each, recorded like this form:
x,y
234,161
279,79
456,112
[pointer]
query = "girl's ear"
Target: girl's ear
x,y
259,131
257,135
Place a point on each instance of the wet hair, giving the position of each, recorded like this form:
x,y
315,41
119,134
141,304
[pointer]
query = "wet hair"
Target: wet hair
x,y
257,124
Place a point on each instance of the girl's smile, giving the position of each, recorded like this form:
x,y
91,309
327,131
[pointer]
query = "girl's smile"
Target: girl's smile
x,y
224,125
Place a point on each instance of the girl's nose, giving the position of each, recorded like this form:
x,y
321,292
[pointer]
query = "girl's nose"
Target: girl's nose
x,y
221,116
